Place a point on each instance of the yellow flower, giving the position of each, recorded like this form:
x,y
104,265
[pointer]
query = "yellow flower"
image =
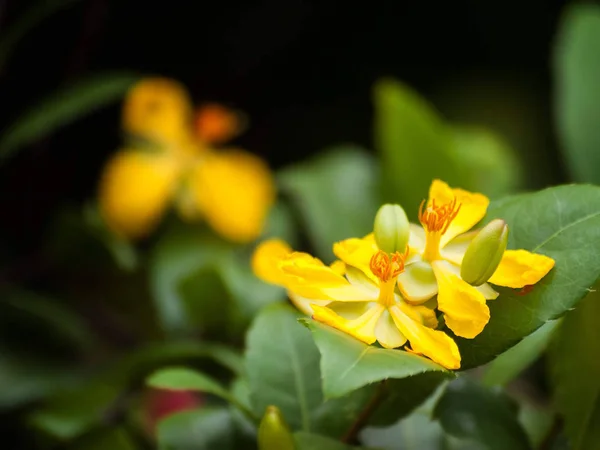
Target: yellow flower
x,y
231,189
357,295
437,250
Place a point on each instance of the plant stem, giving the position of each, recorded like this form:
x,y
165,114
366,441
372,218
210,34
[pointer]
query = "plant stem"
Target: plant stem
x,y
364,416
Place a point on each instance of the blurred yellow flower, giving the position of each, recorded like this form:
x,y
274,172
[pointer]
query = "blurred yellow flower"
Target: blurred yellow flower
x,y
170,161
437,250
357,295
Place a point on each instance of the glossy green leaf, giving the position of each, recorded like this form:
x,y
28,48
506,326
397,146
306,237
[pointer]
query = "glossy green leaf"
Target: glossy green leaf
x,y
467,410
577,105
575,373
348,364
184,379
64,107
282,365
335,194
414,145
512,362
204,429
563,223
416,432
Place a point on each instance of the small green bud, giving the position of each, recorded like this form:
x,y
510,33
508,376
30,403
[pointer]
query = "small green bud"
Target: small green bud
x,y
273,432
484,253
391,228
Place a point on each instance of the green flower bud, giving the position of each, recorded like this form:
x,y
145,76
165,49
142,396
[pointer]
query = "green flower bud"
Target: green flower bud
x,y
273,432
484,253
391,229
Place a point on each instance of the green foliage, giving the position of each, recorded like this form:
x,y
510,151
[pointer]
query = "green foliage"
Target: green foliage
x,y
309,441
335,194
64,107
575,373
577,93
563,223
469,411
192,269
512,362
205,429
348,364
107,438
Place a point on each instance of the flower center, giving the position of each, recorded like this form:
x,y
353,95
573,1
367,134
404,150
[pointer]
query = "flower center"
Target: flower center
x,y
387,268
435,220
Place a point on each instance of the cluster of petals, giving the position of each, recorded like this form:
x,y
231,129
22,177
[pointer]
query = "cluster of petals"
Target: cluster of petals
x,y
399,300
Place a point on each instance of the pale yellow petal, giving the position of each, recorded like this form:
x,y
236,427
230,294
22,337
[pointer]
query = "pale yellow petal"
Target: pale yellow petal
x,y
266,258
135,190
233,190
418,283
304,304
464,307
434,344
519,268
473,207
416,239
362,328
357,252
358,279
455,250
387,333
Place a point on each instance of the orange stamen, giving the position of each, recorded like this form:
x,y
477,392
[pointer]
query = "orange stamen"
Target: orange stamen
x,y
385,267
436,218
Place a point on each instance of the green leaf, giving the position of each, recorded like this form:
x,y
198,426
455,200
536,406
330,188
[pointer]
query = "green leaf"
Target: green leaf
x,y
563,223
414,145
470,411
577,103
511,363
204,429
537,422
492,165
575,373
183,379
310,441
282,366
181,258
335,194
416,432
64,107
348,364
106,438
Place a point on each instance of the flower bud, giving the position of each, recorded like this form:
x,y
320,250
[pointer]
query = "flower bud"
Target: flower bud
x,y
391,229
484,253
273,432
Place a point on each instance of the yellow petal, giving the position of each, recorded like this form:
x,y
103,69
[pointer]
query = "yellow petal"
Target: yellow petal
x,y
362,328
387,333
304,304
159,109
417,283
417,239
233,190
434,344
309,277
135,190
472,209
463,306
488,292
266,258
519,268
455,250
357,253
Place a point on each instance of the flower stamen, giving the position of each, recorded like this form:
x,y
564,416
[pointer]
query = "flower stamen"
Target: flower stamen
x,y
437,218
386,267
